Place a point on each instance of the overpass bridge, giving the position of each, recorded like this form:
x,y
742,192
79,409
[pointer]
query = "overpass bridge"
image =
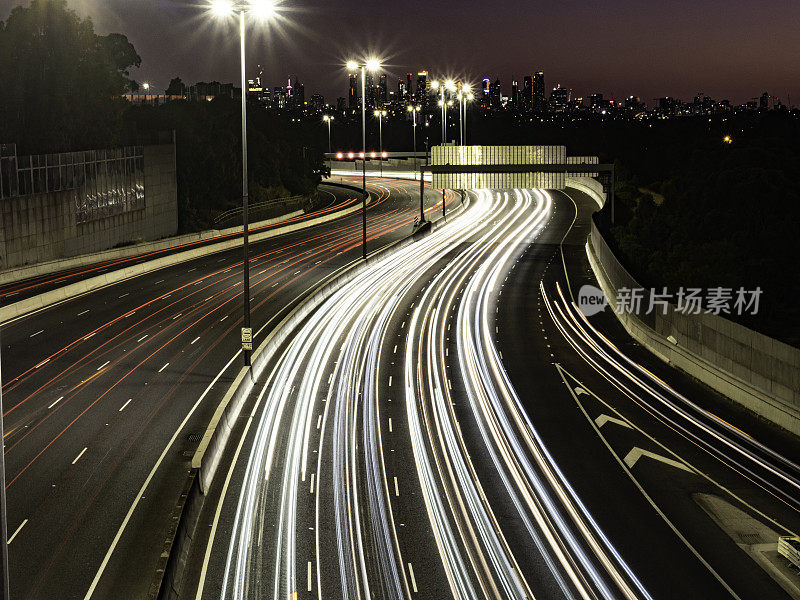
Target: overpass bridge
x,y
482,167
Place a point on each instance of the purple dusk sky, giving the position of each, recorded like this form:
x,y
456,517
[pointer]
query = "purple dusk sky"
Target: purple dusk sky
x,y
732,49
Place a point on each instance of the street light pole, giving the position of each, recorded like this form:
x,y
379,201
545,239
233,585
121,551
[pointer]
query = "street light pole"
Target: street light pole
x,y
245,191
364,157
4,591
372,65
460,119
329,119
380,114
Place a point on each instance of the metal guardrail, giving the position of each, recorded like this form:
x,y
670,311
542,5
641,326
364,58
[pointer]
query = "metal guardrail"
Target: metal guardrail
x,y
261,210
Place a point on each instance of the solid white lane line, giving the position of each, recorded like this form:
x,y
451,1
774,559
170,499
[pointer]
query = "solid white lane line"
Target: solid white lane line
x,y
44,362
37,333
147,481
396,487
11,539
413,579
142,338
103,365
77,458
194,340
56,402
88,336
126,404
164,367
84,312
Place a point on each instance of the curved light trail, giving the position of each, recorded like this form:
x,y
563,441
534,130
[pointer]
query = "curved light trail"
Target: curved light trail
x,y
325,398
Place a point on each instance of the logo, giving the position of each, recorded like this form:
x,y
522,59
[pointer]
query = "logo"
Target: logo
x,y
591,300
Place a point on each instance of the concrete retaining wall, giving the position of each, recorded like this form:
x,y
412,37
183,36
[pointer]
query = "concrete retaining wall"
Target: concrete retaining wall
x,y
42,227
12,311
752,369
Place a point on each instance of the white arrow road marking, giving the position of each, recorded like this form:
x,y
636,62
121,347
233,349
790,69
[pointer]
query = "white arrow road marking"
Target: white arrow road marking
x,y
603,419
637,453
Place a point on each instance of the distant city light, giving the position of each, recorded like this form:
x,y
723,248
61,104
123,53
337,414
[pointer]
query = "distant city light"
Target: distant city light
x,y
727,139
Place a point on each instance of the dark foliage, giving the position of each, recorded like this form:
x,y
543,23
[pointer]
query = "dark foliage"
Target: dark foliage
x,y
283,157
60,83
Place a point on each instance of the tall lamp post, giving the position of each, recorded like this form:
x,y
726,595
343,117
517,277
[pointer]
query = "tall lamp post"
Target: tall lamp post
x,y
447,86
373,65
414,110
329,120
380,114
464,96
260,10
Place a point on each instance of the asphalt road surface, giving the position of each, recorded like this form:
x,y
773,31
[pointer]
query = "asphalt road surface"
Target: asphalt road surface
x,y
106,396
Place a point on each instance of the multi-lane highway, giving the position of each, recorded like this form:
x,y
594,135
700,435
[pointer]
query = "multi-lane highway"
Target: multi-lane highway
x,y
106,395
448,425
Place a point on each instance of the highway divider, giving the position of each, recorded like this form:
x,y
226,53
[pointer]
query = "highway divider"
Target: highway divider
x,y
34,303
206,459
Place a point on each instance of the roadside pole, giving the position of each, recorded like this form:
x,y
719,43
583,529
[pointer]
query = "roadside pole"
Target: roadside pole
x,y
3,512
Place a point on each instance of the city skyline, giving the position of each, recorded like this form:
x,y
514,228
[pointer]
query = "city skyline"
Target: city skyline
x,y
667,50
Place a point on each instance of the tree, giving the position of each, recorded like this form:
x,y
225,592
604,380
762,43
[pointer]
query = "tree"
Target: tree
x,y
60,83
176,87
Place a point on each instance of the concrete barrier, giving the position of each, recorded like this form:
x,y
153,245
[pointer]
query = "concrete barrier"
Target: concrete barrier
x,y
589,186
756,371
12,311
63,264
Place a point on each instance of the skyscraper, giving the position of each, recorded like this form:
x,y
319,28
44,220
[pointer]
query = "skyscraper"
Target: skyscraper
x,y
527,93
539,95
514,94
371,91
402,91
495,95
422,88
559,99
383,92
352,97
409,85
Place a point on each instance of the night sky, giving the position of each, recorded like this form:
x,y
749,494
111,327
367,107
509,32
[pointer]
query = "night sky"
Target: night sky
x,y
732,49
